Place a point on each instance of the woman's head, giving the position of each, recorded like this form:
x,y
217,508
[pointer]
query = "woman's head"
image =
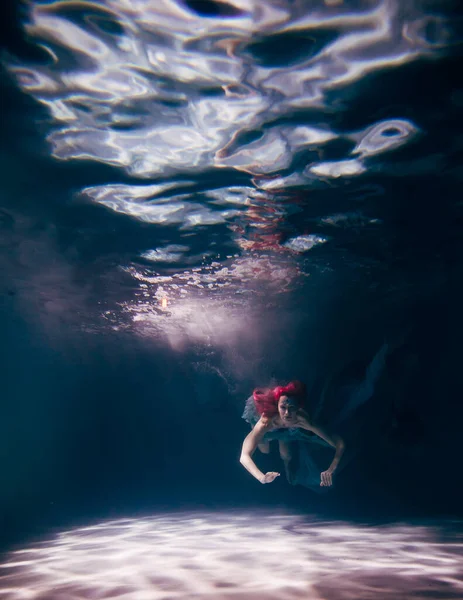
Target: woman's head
x,y
287,408
282,400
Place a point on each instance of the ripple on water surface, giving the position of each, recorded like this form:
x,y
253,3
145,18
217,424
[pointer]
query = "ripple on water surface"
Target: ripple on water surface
x,y
227,117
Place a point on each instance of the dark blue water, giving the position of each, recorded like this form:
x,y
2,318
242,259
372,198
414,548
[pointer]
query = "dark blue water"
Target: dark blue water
x,y
202,197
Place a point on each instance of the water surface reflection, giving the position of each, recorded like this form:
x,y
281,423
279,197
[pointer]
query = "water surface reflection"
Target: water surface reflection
x,y
223,121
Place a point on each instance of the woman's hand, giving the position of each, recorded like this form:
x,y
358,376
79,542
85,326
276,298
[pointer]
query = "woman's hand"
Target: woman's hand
x,y
269,477
326,478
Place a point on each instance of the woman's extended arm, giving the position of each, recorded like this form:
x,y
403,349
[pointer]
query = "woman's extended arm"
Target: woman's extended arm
x,y
333,440
249,446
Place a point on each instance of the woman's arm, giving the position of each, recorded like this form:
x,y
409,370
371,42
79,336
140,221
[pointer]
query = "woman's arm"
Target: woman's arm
x,y
334,440
250,444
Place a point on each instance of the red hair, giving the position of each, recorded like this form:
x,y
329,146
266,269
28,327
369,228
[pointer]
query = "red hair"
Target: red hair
x,y
266,400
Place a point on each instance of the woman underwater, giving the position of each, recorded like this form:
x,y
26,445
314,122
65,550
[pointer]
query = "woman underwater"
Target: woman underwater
x,y
278,414
305,447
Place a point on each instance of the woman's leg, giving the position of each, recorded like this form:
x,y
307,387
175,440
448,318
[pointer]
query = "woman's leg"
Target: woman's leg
x,y
285,450
286,456
289,458
264,447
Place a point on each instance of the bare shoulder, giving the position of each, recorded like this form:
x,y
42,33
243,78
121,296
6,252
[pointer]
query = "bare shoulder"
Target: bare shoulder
x,y
303,414
303,417
264,424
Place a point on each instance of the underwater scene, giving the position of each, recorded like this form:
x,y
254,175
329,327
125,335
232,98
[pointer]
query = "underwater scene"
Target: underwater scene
x,y
231,299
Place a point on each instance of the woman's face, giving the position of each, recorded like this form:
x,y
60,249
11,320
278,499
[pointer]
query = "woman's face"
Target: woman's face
x,y
287,409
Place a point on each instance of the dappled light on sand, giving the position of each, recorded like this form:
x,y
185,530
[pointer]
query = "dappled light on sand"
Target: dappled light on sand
x,y
240,556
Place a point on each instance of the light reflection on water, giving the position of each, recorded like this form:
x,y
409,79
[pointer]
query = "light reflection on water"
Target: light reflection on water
x,y
239,555
160,89
184,97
